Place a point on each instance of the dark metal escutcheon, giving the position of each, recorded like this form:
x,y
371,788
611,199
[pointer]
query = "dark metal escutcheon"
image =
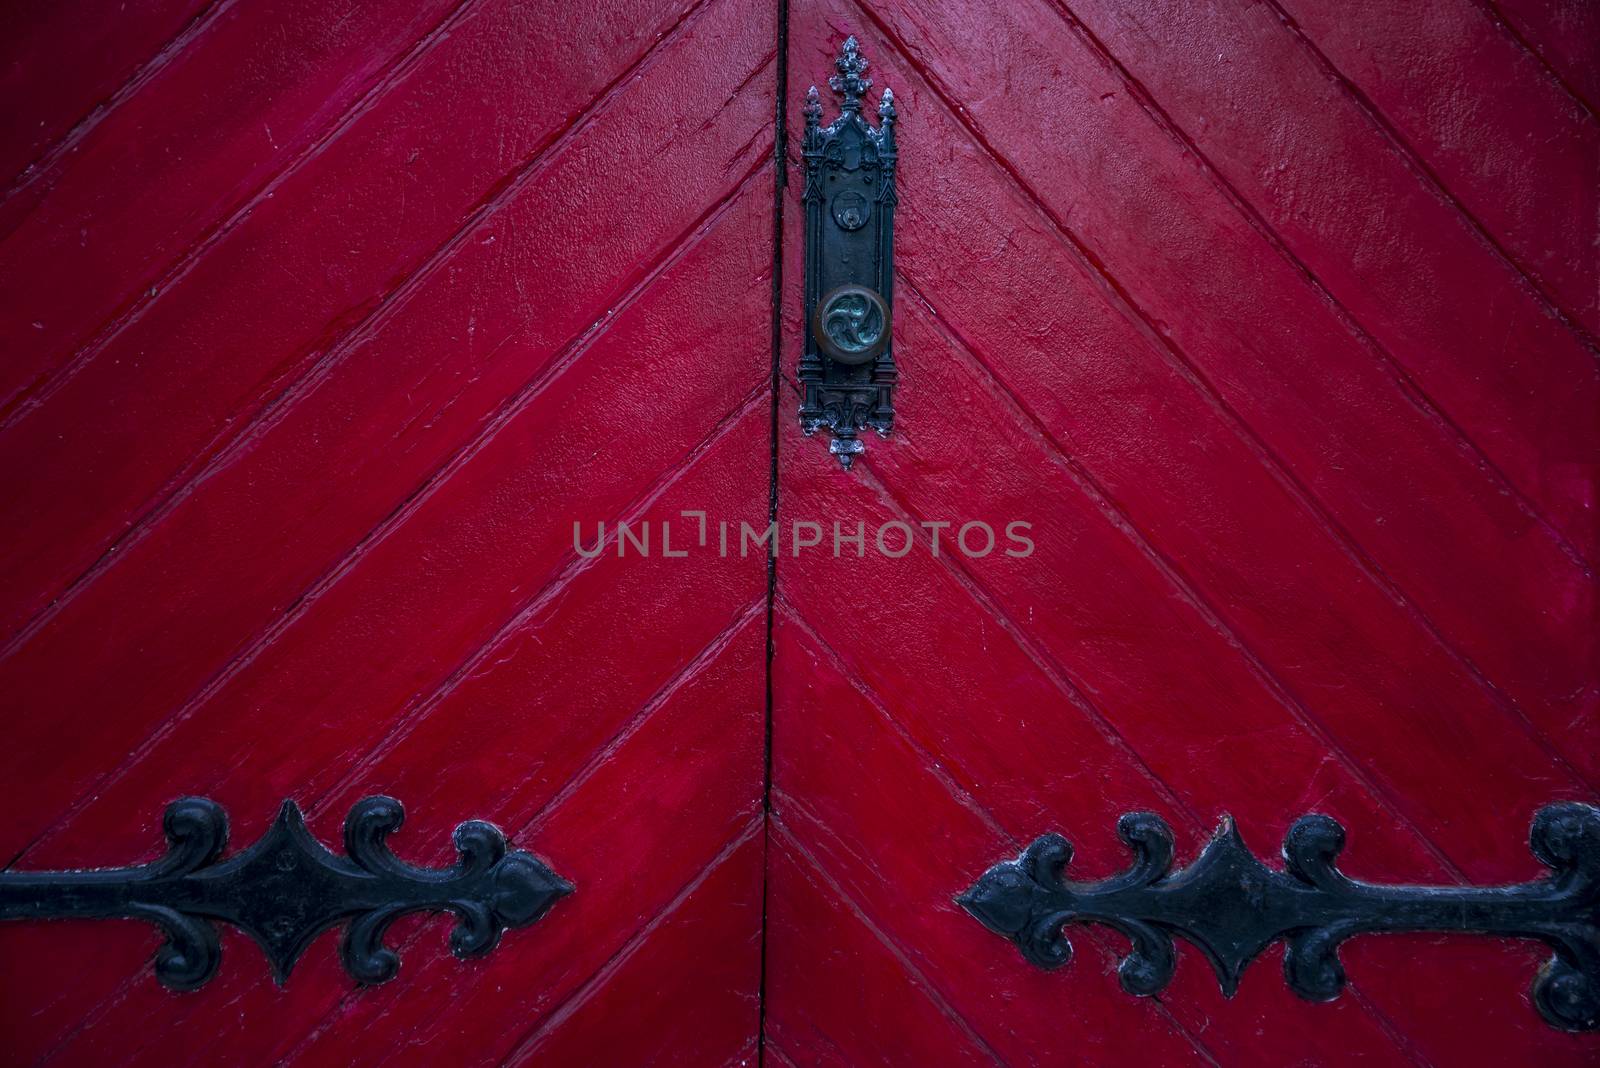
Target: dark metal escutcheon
x,y
1230,906
847,370
851,324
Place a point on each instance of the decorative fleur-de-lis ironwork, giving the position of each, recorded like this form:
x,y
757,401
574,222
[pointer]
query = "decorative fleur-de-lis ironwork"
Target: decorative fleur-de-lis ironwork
x,y
849,82
1230,906
287,888
847,369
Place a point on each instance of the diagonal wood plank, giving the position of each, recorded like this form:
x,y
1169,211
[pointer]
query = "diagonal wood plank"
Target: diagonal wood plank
x,y
873,821
463,331
1253,517
1211,294
628,1016
136,194
1291,391
272,480
689,793
853,999
200,377
1472,110
51,48
1417,283
712,768
431,527
912,905
1561,33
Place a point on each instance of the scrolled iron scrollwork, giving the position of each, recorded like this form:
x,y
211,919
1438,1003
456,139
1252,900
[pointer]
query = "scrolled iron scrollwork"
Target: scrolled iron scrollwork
x,y
1230,906
288,888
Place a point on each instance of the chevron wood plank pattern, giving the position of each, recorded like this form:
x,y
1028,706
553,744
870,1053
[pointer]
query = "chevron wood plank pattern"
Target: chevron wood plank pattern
x,y
330,329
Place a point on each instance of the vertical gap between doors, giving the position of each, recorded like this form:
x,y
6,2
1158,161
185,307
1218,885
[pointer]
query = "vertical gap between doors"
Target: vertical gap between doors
x,y
779,180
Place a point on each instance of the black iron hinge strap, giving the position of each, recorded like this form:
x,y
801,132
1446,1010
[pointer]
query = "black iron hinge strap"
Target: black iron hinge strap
x,y
1230,906
288,887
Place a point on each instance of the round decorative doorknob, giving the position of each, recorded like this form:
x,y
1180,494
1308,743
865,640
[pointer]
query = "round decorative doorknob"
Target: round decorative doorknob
x,y
851,324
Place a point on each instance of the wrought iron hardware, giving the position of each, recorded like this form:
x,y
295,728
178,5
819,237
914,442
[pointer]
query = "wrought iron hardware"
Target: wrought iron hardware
x,y
847,370
288,888
1230,906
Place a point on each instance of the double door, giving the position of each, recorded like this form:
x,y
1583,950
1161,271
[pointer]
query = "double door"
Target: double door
x,y
402,400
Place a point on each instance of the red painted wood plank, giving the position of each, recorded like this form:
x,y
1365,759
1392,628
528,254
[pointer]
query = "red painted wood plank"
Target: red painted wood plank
x,y
563,686
398,380
859,800
1273,639
689,777
1008,753
1474,994
399,191
258,86
1168,713
1397,256
1030,758
462,561
1250,536
1563,33
1268,357
863,795
1208,731
41,1003
63,65
679,798
688,995
1170,453
1509,144
538,645
972,261
570,634
837,995
886,821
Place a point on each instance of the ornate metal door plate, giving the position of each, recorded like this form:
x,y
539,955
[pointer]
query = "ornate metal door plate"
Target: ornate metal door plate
x,y
288,888
1230,906
847,370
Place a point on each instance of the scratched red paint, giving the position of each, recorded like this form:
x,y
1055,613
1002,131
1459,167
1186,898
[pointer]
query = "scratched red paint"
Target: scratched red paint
x,y
323,327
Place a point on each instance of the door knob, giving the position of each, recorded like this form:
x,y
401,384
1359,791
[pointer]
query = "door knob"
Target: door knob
x,y
851,324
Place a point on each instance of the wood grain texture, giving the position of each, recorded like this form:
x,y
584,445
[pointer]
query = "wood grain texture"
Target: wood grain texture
x,y
194,147
1291,141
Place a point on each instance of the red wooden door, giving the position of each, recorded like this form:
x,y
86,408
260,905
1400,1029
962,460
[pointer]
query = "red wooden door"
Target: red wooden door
x,y
332,334
1276,322
324,325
